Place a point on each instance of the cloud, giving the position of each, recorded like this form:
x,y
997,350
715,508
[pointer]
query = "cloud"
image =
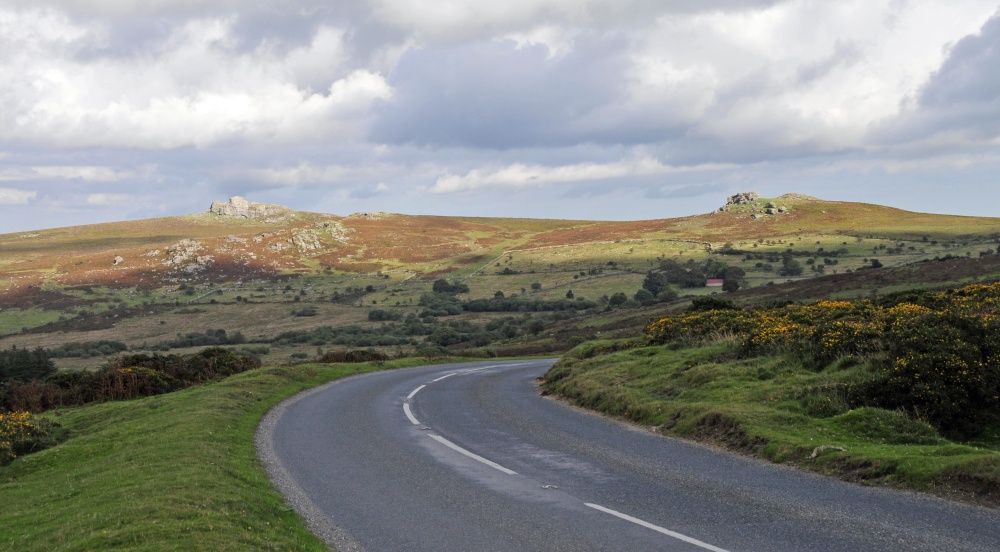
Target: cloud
x,y
518,175
108,199
194,88
498,95
86,173
13,196
959,105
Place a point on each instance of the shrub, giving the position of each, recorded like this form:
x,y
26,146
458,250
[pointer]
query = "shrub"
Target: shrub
x,y
938,360
354,356
20,434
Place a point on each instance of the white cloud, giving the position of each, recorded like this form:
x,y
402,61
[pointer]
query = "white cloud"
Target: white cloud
x,y
305,174
13,196
557,40
108,199
86,173
520,175
195,88
774,77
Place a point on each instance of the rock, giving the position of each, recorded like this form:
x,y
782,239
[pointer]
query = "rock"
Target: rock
x,y
821,449
237,207
743,198
118,260
782,209
771,211
770,205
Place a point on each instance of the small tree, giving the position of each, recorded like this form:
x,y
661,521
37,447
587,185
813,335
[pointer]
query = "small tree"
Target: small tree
x,y
644,297
536,286
569,294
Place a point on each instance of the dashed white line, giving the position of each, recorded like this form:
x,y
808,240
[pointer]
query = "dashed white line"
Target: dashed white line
x,y
657,528
472,455
414,392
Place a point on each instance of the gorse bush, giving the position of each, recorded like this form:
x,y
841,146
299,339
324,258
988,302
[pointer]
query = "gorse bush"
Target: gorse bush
x,y
936,354
21,434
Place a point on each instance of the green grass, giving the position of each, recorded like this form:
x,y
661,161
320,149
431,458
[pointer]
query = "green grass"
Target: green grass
x,y
775,409
173,472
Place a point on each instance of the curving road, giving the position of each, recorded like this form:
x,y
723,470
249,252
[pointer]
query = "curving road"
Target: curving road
x,y
468,457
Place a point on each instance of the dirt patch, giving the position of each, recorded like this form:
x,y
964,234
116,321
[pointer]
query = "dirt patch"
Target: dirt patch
x,y
716,427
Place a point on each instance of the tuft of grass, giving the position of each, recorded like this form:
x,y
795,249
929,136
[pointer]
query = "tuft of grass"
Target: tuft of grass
x,y
172,472
776,409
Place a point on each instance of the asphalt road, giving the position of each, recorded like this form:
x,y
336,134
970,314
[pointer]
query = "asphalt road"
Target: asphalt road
x,y
469,457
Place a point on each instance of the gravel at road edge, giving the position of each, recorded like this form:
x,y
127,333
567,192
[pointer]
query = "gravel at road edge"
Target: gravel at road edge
x,y
317,522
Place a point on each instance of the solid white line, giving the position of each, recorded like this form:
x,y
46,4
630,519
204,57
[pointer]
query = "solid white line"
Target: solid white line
x,y
474,456
414,392
657,528
406,408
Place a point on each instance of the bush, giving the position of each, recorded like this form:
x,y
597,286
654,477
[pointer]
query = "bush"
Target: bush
x,y
940,363
353,356
380,315
22,434
88,349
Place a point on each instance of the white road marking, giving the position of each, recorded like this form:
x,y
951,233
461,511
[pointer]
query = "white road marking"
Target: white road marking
x,y
657,528
406,409
444,376
472,455
414,392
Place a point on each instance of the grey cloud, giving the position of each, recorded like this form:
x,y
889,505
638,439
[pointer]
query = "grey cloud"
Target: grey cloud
x,y
493,95
960,100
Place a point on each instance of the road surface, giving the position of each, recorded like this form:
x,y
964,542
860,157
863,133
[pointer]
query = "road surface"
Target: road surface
x,y
468,457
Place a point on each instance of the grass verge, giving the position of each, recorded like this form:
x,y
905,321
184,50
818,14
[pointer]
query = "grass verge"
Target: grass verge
x,y
171,472
775,409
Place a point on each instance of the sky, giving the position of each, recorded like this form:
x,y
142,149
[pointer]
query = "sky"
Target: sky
x,y
575,109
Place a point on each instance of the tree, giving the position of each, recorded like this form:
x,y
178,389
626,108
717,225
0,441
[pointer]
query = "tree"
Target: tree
x,y
644,297
535,327
789,266
655,282
618,299
569,294
536,286
730,285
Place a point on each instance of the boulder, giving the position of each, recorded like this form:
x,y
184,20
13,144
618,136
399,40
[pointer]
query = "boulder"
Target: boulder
x,y
238,207
743,198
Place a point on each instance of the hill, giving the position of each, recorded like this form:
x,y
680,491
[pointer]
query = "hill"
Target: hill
x,y
264,271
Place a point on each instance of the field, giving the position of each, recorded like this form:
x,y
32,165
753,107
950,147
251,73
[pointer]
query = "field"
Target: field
x,y
200,273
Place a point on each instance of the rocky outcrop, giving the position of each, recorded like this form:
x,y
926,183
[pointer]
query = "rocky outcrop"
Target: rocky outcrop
x,y
184,255
753,200
742,198
238,207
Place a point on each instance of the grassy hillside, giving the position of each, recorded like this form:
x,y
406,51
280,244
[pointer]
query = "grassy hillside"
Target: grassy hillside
x,y
773,408
172,472
149,283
